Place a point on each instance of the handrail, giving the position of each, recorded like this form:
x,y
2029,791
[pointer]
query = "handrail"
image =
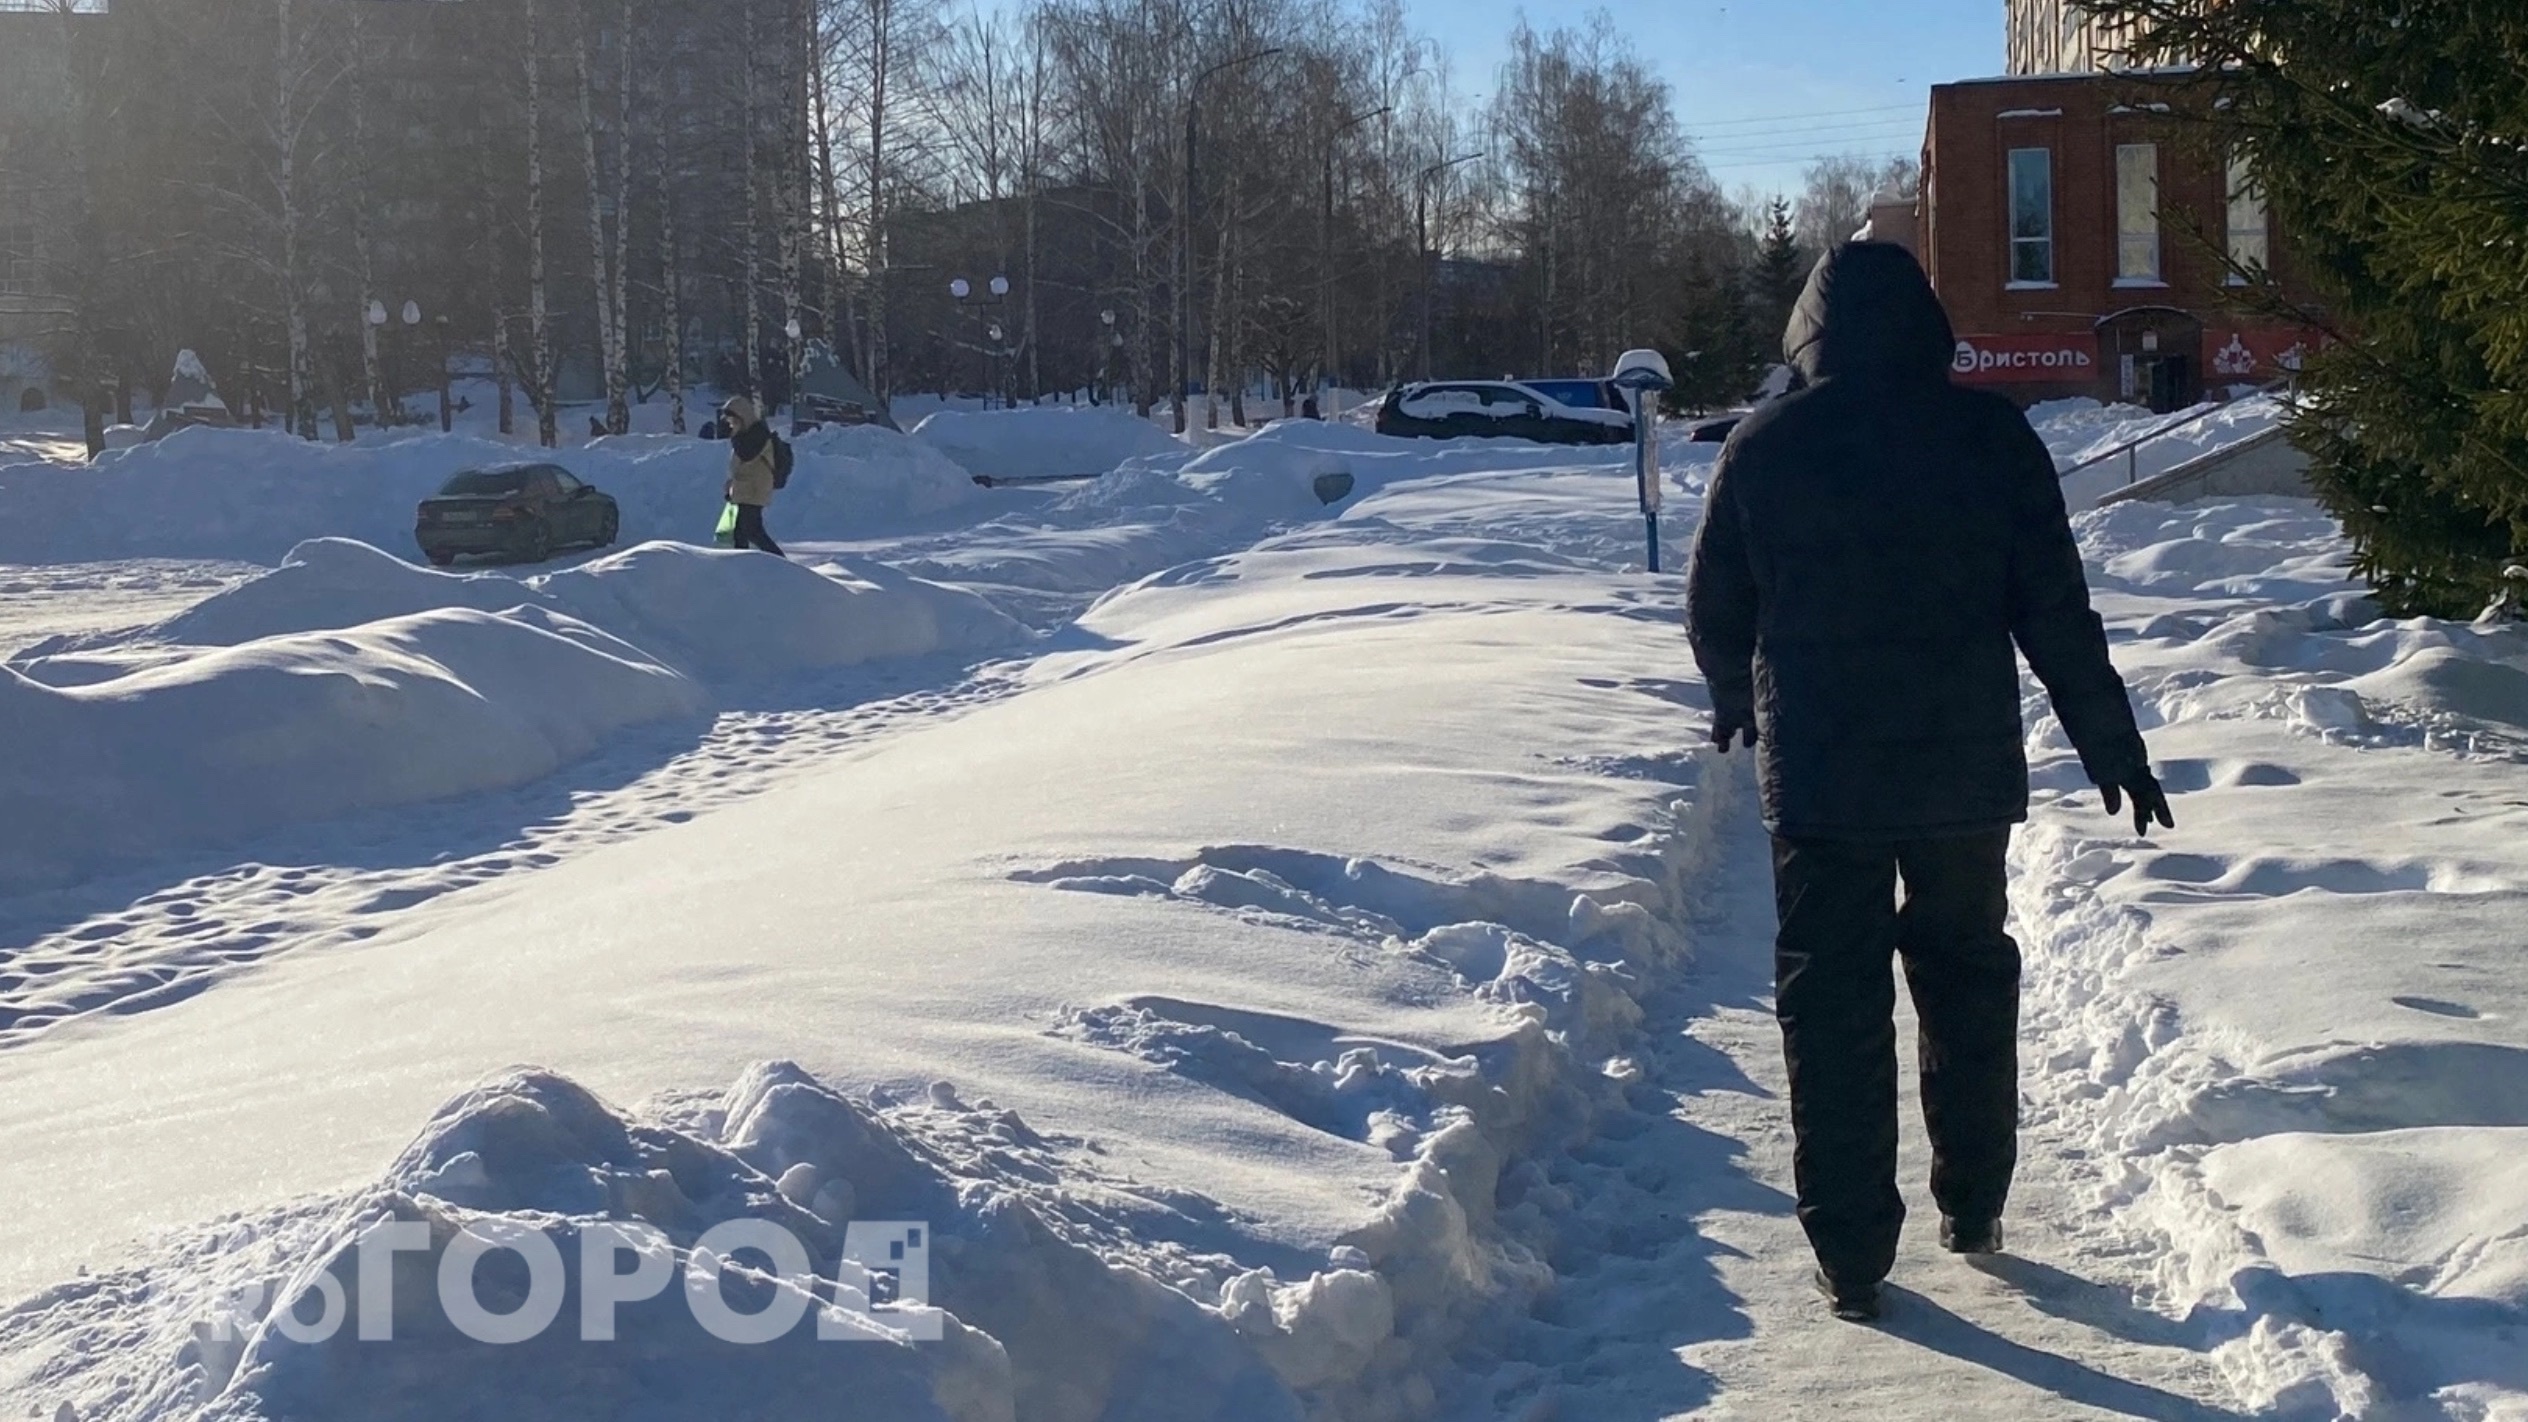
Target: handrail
x,y
2126,450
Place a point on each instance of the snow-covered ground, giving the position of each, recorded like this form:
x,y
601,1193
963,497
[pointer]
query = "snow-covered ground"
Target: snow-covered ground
x,y
1295,958
2085,437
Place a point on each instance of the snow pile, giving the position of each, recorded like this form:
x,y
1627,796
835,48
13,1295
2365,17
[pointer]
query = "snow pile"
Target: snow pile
x,y
300,727
1304,900
348,679
1043,440
2295,1024
252,494
729,617
2081,429
1285,472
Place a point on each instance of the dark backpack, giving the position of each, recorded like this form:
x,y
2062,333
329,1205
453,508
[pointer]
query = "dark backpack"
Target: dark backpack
x,y
783,461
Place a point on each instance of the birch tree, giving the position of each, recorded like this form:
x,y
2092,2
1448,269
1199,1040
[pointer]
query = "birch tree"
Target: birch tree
x,y
384,406
604,259
750,234
539,314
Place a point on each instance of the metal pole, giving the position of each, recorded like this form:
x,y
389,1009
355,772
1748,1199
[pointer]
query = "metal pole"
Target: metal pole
x,y
1646,466
1422,263
1644,375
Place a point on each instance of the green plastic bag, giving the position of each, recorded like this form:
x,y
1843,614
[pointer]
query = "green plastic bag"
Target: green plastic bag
x,y
727,537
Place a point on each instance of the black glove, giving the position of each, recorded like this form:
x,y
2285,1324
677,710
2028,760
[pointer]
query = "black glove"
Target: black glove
x,y
2149,801
1726,730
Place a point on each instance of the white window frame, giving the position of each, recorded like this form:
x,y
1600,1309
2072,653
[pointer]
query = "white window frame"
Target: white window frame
x,y
2043,243
2247,246
18,264
2135,226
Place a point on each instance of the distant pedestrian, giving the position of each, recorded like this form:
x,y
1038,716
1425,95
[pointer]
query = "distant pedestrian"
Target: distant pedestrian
x,y
1872,548
1308,409
752,450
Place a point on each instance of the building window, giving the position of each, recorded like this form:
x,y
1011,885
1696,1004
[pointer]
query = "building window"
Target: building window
x,y
2251,245
2031,217
2137,213
17,259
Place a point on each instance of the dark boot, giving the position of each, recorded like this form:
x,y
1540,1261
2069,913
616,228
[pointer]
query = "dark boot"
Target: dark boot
x,y
1970,1236
1853,1303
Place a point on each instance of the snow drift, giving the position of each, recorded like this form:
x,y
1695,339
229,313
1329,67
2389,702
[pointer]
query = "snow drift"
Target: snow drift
x,y
1262,899
252,494
1043,440
2293,1024
293,728
347,679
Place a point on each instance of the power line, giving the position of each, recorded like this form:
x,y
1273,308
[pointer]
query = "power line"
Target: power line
x,y
1801,118
1829,145
1794,150
1794,160
1742,134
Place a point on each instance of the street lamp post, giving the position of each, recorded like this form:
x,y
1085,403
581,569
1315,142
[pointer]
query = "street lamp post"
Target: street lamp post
x,y
371,338
790,366
1185,226
387,399
1106,358
1422,242
447,415
1325,275
963,291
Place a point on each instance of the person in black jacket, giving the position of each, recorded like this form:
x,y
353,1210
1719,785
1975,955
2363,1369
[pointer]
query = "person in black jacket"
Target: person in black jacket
x,y
1872,548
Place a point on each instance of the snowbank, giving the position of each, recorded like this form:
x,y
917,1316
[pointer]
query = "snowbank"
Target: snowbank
x,y
1302,902
348,679
2078,430
738,617
2296,1024
296,728
1043,440
252,494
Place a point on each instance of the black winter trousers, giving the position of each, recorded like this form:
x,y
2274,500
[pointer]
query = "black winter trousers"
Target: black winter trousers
x,y
1835,993
750,530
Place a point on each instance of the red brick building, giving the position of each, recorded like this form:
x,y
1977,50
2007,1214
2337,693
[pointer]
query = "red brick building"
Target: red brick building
x,y
2083,240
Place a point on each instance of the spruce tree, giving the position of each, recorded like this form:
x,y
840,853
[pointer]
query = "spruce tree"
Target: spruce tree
x,y
1722,355
2391,141
1780,272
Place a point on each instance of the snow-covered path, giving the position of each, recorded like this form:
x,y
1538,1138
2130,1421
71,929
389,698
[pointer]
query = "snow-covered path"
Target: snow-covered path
x,y
1335,893
1686,1288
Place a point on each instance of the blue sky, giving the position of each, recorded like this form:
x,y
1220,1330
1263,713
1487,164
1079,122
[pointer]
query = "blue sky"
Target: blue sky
x,y
1763,85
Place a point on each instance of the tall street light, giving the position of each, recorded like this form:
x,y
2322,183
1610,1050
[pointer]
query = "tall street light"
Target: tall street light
x,y
1325,235
1185,225
1422,241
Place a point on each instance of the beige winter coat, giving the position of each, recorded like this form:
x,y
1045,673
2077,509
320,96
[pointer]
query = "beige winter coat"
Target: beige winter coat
x,y
750,480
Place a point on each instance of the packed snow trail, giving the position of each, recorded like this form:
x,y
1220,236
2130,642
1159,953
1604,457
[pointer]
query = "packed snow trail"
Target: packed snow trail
x,y
1685,1288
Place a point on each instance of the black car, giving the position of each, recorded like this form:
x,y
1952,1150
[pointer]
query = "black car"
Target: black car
x,y
1712,431
522,511
1506,409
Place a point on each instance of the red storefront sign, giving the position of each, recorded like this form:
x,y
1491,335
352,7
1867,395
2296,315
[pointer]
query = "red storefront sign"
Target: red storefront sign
x,y
2026,359
2254,354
